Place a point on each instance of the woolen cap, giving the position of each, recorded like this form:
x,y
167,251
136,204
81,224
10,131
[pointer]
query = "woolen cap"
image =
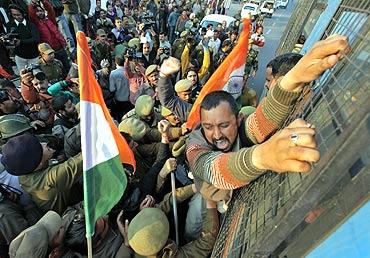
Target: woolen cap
x,y
183,85
144,105
151,69
134,127
22,154
148,231
33,242
45,48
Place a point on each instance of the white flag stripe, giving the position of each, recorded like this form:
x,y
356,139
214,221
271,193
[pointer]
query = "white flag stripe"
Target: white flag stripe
x,y
234,85
97,141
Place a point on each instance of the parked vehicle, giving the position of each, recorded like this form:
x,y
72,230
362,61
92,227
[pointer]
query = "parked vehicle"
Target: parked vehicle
x,y
267,8
253,9
282,4
216,19
257,2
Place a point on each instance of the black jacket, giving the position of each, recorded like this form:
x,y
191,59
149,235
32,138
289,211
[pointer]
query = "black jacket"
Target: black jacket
x,y
29,39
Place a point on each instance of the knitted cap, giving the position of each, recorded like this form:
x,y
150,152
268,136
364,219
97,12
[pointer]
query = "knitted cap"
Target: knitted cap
x,y
183,85
134,127
144,105
22,154
151,69
148,231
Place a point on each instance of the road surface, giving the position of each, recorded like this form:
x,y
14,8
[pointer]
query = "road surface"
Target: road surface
x,y
273,30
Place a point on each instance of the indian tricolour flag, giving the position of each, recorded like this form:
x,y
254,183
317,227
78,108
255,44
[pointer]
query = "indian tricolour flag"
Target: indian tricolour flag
x,y
103,148
227,77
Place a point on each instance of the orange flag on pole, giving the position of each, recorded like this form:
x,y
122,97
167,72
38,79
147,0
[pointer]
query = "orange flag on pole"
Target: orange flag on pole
x,y
228,76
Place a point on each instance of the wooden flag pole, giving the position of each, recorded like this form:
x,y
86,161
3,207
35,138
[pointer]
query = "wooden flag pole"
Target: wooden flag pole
x,y
174,205
89,248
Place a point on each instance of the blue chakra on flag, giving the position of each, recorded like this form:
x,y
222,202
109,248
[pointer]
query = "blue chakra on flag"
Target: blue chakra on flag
x,y
234,86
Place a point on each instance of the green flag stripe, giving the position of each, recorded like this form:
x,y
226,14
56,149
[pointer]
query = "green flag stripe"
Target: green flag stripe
x,y
104,185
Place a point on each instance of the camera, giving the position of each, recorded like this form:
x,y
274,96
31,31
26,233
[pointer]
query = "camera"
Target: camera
x,y
33,68
166,51
8,38
131,52
148,20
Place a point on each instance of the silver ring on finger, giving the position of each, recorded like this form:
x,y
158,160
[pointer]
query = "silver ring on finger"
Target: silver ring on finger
x,y
294,137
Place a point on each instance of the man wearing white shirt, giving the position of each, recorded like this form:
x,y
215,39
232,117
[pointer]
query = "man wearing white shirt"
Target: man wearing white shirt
x,y
214,42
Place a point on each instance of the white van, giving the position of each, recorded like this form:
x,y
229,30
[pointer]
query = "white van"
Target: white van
x,y
216,19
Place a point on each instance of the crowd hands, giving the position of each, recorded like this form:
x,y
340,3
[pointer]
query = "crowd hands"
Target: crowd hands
x,y
149,59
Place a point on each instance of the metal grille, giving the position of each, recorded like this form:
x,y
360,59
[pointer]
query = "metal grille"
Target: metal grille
x,y
295,25
262,215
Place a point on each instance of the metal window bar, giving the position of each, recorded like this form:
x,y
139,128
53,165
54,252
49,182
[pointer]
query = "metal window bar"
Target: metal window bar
x,y
338,101
295,25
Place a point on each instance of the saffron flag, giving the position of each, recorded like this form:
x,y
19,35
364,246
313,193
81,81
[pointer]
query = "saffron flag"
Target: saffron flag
x,y
228,76
103,148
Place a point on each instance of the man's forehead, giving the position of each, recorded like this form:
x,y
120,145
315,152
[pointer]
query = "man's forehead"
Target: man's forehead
x,y
221,111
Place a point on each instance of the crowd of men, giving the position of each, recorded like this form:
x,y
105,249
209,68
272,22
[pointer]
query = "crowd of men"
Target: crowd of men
x,y
149,59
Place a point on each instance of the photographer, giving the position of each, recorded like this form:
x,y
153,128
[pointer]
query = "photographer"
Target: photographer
x,y
68,88
135,73
34,85
163,42
26,51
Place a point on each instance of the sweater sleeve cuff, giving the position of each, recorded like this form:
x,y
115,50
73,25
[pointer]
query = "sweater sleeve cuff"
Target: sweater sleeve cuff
x,y
247,171
284,97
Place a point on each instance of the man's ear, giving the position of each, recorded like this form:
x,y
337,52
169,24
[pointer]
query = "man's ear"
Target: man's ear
x,y
240,119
